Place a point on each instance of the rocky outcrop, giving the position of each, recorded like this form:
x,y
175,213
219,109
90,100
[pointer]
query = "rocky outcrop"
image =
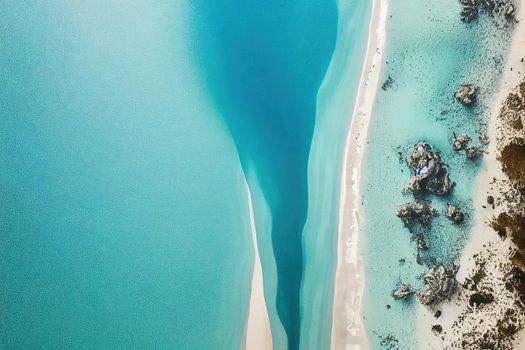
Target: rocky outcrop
x,y
430,173
466,94
440,284
455,214
403,292
513,162
416,212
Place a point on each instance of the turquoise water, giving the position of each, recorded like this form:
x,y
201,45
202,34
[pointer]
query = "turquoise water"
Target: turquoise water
x,y
123,215
267,64
429,53
335,104
127,130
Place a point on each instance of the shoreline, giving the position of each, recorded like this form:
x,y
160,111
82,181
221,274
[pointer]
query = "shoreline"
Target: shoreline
x,y
347,327
258,334
482,236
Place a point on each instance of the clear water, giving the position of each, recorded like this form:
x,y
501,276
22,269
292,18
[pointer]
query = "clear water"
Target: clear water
x,y
429,53
123,214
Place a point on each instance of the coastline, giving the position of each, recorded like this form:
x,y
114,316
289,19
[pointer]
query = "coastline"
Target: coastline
x,y
258,334
482,238
347,327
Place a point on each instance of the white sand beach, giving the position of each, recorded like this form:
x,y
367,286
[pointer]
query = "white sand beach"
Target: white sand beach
x,y
347,328
482,236
258,333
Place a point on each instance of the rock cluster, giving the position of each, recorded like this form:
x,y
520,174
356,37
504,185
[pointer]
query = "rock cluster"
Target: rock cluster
x,y
440,284
430,173
462,143
455,214
466,94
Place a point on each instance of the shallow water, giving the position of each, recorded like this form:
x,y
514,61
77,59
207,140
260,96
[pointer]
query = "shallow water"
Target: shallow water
x,y
429,53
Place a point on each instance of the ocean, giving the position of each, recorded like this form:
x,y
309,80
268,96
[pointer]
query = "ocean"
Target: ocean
x,y
123,214
128,130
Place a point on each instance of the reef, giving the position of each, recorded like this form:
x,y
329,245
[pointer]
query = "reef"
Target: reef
x,y
471,9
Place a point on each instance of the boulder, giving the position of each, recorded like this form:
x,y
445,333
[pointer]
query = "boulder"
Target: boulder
x,y
430,173
455,214
466,94
440,284
403,292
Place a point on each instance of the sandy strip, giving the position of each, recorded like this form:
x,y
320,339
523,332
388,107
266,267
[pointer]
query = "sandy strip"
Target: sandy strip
x,y
347,329
258,333
481,233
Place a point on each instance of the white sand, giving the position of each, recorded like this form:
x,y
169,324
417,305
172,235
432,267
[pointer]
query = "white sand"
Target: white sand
x,y
258,333
347,329
482,235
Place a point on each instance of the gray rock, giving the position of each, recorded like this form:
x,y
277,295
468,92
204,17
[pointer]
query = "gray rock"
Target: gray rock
x,y
430,173
466,94
403,292
440,284
455,214
416,212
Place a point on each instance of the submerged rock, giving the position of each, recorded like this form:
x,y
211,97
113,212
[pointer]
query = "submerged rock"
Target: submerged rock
x,y
455,214
422,244
416,212
466,94
403,292
474,152
430,173
460,142
440,284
